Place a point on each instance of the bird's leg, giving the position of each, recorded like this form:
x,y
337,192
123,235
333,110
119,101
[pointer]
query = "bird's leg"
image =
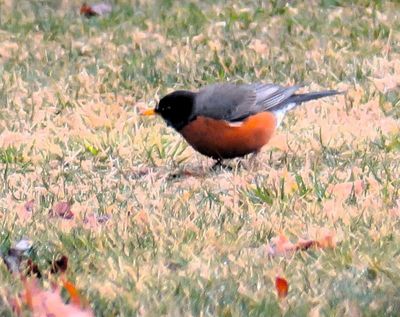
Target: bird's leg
x,y
220,165
253,162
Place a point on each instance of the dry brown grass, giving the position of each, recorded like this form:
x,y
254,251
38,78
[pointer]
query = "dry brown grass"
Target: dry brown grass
x,y
144,242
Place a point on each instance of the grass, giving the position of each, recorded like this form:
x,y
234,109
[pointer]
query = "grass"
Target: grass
x,y
70,94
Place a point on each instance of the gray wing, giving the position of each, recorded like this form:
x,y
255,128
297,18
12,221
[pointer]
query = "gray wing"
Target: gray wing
x,y
270,96
227,102
232,102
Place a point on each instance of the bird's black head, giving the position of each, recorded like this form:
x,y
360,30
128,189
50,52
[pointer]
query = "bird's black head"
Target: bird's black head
x,y
177,108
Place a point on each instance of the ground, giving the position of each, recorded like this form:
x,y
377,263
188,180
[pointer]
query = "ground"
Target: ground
x,y
153,230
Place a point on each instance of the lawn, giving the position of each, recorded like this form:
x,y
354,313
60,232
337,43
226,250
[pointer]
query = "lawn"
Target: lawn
x,y
152,230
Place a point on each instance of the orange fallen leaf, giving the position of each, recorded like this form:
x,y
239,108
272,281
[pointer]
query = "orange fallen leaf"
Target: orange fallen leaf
x,y
282,287
73,292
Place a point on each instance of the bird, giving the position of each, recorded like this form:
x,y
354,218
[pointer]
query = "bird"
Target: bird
x,y
227,120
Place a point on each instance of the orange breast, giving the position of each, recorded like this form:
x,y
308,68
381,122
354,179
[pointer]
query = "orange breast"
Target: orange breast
x,y
220,139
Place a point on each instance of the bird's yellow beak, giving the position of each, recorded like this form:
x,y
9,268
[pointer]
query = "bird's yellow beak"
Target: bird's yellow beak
x,y
148,112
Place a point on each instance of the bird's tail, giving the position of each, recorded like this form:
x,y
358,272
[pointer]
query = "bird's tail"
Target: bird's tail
x,y
296,99
299,98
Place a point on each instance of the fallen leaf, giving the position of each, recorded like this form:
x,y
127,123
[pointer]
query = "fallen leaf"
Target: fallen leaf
x,y
49,302
33,269
303,245
281,245
60,265
98,9
63,210
73,292
282,287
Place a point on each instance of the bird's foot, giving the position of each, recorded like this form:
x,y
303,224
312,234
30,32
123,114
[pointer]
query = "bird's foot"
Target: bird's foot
x,y
253,162
219,165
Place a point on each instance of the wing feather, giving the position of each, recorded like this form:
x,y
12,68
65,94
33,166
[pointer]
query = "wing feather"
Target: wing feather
x,y
234,103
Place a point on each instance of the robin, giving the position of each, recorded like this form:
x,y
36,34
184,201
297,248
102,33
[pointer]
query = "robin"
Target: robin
x,y
225,121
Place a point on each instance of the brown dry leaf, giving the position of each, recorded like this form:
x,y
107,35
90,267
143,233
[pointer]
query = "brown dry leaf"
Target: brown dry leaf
x,y
281,245
60,265
63,210
49,302
98,9
32,269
